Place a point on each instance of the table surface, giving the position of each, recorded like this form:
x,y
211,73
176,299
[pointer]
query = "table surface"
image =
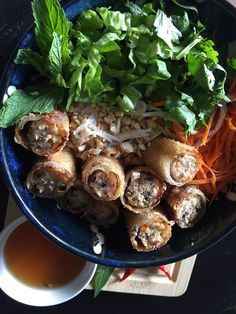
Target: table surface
x,y
212,287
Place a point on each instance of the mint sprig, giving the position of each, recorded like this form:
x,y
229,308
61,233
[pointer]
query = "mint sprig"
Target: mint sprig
x,y
36,99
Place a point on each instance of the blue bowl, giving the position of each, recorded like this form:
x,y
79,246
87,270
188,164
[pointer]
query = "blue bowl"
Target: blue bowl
x,y
74,234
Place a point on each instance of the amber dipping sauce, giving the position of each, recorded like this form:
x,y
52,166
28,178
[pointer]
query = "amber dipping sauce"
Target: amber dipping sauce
x,y
36,261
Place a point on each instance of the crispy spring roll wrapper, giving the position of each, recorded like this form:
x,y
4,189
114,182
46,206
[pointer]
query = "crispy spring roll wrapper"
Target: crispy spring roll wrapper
x,y
174,162
143,189
103,213
187,205
103,178
76,200
52,176
43,134
148,232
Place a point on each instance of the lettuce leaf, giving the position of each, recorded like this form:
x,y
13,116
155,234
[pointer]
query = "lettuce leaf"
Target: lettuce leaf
x,y
115,19
166,29
142,52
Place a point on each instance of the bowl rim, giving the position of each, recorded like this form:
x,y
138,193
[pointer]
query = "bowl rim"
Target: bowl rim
x,y
98,259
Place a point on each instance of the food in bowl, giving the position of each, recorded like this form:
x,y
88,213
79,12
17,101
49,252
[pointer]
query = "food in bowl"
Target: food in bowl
x,y
145,98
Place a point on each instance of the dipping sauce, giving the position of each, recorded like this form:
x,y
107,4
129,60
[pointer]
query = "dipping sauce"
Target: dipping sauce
x,y
35,260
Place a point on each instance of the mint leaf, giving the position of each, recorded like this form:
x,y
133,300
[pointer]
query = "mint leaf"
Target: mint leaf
x,y
27,56
101,277
55,55
55,62
49,17
35,99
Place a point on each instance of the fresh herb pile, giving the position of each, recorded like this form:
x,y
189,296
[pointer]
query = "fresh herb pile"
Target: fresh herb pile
x,y
148,52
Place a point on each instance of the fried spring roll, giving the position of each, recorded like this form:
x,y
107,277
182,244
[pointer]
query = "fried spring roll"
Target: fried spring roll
x,y
103,178
174,162
76,200
52,176
148,232
187,205
143,189
43,134
103,213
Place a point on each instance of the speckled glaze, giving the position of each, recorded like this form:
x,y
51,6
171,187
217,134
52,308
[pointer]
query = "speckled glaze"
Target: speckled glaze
x,y
75,235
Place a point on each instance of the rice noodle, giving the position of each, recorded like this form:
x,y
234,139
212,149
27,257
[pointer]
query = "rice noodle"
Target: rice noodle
x,y
150,114
133,134
123,136
219,122
107,136
89,126
167,132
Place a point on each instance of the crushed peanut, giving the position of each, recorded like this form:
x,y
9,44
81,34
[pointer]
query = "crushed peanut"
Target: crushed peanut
x,y
99,130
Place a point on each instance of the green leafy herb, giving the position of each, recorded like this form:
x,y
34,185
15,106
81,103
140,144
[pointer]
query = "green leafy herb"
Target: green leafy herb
x,y
35,99
166,29
27,56
184,6
142,52
115,19
232,62
49,18
101,277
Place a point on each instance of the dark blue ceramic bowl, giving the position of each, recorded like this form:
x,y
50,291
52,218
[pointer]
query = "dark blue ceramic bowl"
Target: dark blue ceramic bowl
x,y
75,235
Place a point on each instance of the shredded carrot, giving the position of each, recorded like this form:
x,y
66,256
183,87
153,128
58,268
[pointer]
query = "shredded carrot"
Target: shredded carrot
x,y
158,103
230,124
207,130
218,150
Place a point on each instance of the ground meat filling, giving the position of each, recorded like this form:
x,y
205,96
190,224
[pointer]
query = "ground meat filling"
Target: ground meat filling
x,y
150,237
143,190
183,168
104,185
43,136
48,182
188,209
